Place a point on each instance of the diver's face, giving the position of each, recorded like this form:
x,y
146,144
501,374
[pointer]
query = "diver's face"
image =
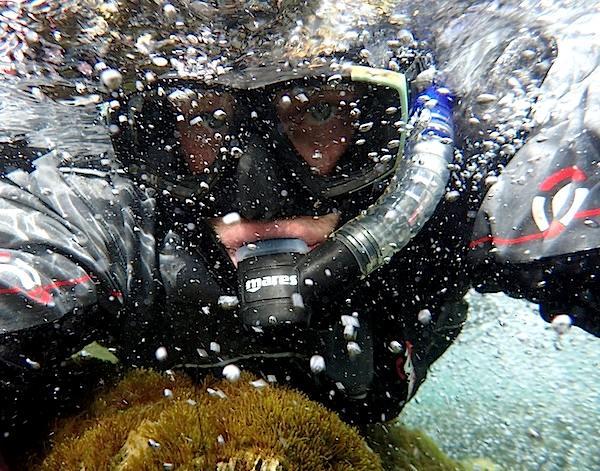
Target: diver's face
x,y
291,158
318,125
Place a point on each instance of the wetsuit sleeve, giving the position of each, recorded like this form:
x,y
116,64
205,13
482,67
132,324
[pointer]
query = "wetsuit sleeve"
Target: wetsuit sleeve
x,y
76,254
537,234
76,247
71,237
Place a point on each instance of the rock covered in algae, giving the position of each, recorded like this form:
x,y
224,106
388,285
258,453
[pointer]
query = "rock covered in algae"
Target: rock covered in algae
x,y
151,421
401,448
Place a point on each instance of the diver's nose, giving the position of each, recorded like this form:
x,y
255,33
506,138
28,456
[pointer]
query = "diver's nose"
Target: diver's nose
x,y
261,192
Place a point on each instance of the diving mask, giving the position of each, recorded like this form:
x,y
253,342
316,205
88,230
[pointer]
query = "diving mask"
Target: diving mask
x,y
335,134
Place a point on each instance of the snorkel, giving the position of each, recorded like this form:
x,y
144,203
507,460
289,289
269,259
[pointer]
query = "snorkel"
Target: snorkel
x,y
367,242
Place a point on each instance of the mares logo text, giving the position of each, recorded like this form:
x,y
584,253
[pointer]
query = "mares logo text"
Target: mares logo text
x,y
254,284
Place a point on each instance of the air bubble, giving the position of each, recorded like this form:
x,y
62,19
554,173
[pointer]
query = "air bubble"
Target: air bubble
x,y
259,384
32,364
231,218
111,79
216,393
231,373
220,115
317,364
353,349
365,127
562,324
170,11
286,101
452,196
486,98
153,443
160,61
161,353
301,97
228,302
424,316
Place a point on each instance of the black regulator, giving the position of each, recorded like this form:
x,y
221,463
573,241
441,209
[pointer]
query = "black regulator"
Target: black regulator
x,y
268,280
278,279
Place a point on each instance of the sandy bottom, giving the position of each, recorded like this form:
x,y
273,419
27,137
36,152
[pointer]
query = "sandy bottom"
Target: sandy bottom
x,y
511,391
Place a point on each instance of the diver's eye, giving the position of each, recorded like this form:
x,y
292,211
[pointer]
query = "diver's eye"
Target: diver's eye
x,y
205,118
320,112
318,125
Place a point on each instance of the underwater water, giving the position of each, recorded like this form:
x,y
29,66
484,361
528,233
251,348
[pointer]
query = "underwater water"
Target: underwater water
x,y
511,390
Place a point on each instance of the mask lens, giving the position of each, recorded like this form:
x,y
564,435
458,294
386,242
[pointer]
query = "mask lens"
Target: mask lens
x,y
179,136
154,127
203,121
318,123
346,133
337,135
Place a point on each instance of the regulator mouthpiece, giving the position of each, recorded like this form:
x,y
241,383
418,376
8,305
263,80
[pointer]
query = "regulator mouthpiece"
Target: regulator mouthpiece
x,y
268,283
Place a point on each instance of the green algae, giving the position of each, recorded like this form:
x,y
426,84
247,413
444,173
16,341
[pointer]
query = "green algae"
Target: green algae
x,y
153,421
401,448
228,427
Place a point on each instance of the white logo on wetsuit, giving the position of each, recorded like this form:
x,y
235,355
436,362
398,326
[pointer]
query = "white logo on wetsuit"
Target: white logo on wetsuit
x,y
27,276
559,205
565,202
24,279
254,284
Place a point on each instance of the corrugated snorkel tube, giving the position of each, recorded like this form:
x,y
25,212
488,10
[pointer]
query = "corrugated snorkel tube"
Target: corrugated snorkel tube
x,y
368,241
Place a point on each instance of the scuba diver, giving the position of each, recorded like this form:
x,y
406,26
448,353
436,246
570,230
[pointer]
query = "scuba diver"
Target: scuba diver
x,y
289,200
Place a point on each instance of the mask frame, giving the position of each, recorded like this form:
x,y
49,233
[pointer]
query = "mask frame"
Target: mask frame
x,y
138,155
